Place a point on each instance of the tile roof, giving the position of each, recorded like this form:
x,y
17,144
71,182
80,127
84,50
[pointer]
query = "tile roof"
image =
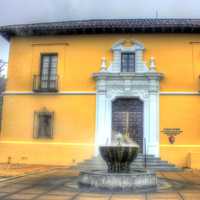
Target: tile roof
x,y
103,26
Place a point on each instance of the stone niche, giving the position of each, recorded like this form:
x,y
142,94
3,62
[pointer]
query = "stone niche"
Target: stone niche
x,y
143,83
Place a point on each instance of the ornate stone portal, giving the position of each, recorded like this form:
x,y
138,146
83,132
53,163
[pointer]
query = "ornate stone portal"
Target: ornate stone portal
x,y
143,83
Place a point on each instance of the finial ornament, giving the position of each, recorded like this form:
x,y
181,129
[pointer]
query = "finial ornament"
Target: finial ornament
x,y
103,65
152,65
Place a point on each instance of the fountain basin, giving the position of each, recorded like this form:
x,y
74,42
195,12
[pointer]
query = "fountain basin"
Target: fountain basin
x,y
118,158
124,182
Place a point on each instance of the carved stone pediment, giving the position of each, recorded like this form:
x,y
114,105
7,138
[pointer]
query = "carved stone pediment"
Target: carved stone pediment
x,y
127,81
130,46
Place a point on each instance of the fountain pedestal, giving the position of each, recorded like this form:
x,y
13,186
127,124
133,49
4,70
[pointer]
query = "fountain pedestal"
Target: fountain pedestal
x,y
119,176
123,182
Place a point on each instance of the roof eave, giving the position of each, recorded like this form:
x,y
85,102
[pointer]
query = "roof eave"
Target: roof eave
x,y
103,26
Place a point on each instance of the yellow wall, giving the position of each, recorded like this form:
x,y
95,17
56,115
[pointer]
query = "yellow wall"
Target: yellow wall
x,y
74,126
180,112
79,57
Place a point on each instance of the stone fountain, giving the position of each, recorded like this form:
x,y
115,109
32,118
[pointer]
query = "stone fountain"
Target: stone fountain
x,y
119,175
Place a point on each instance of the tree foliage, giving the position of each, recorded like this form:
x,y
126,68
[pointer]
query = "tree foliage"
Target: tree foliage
x,y
3,65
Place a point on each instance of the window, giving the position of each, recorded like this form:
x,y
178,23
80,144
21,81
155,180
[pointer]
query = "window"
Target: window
x,y
43,124
127,62
48,73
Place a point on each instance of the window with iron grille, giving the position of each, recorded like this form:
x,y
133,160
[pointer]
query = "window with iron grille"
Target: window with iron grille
x,y
48,71
43,124
127,62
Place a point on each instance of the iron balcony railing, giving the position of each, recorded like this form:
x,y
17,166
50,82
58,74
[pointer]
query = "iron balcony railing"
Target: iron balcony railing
x,y
45,83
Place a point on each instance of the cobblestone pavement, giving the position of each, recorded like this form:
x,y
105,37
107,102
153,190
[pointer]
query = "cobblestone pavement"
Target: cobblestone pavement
x,y
60,184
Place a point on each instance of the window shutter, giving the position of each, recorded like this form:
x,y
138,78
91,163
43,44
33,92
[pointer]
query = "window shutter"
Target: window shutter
x,y
43,124
35,125
48,72
127,62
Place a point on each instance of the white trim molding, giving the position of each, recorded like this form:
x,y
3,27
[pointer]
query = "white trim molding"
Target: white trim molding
x,y
143,84
45,143
179,93
49,93
164,93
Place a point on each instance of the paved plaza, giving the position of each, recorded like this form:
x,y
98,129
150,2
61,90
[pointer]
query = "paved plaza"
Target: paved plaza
x,y
60,184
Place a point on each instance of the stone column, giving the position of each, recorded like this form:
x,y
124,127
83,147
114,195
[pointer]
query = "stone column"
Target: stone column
x,y
153,138
101,132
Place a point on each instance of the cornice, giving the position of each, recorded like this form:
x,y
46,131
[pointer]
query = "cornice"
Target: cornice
x,y
148,76
163,93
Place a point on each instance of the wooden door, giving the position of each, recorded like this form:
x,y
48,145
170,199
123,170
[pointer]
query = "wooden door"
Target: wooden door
x,y
127,116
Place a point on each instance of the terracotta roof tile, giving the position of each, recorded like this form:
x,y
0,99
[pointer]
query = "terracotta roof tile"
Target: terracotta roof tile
x,y
103,26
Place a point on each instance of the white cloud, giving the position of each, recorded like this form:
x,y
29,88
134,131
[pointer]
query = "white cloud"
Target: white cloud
x,y
30,11
27,11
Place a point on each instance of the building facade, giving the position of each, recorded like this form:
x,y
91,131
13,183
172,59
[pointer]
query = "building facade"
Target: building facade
x,y
73,86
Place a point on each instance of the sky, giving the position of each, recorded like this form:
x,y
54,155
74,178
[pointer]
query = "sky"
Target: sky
x,y
32,11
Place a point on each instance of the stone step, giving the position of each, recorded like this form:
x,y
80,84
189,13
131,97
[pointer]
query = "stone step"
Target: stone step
x,y
148,158
155,168
172,169
138,156
102,163
91,162
152,163
132,166
136,160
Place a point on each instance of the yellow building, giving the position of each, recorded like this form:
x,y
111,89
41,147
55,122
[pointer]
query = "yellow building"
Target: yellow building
x,y
72,86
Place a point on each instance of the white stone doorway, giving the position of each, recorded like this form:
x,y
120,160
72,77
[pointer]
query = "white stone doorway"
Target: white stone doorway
x,y
143,83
